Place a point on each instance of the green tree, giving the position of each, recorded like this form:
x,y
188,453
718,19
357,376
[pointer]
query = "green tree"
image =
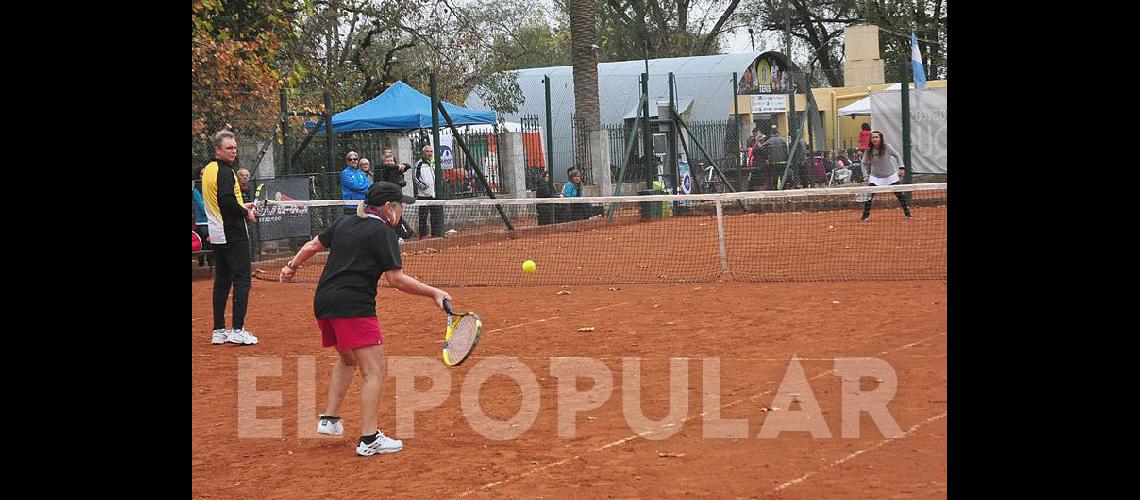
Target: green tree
x,y
817,29
896,20
534,46
816,26
237,50
359,48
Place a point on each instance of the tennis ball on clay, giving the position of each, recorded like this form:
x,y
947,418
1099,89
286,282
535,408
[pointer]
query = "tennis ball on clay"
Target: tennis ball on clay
x,y
528,266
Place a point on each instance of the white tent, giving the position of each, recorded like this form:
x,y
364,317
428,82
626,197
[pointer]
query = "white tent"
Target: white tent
x,y
862,107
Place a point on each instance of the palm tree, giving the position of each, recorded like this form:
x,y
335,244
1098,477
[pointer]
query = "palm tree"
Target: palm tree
x,y
584,57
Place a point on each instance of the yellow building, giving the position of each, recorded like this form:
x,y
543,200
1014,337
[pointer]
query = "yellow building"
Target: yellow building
x,y
829,100
863,70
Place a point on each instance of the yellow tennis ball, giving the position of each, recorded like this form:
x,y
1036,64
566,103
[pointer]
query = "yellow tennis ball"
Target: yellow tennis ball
x,y
528,266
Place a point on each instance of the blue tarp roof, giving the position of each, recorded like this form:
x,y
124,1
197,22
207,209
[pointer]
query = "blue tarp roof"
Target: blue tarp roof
x,y
402,107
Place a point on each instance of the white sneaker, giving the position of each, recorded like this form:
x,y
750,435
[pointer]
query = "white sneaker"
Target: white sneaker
x,y
220,336
382,444
329,427
243,337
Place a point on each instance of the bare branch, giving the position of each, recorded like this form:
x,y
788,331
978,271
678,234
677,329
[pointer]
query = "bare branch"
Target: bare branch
x,y
351,31
715,32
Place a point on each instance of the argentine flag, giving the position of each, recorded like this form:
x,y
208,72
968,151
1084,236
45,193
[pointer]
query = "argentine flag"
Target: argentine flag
x,y
916,63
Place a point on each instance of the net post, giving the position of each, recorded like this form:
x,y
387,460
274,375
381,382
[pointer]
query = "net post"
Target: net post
x,y
284,124
736,127
904,67
440,190
549,137
646,135
329,133
720,237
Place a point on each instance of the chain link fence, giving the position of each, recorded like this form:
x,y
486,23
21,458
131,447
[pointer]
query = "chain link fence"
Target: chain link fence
x,y
706,105
252,119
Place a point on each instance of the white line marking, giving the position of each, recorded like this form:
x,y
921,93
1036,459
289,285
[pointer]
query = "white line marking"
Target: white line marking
x,y
549,319
626,439
697,358
855,454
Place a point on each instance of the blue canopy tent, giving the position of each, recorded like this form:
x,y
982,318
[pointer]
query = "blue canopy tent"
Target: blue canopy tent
x,y
401,107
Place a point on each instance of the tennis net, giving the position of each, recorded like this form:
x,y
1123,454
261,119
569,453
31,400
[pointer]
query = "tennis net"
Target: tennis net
x,y
759,236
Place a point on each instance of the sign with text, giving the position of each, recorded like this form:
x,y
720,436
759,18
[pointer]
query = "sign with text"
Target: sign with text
x,y
775,103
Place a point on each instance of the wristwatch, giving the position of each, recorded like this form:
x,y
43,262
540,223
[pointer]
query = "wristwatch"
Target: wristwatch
x,y
290,265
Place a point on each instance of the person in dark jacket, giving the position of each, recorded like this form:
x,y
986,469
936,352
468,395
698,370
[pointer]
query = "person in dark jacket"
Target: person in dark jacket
x,y
545,210
229,238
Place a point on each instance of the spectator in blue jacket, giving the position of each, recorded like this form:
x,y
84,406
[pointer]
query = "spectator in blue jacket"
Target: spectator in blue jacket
x,y
573,186
354,183
573,189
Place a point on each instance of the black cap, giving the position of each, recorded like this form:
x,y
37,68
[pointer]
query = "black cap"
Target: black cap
x,y
383,192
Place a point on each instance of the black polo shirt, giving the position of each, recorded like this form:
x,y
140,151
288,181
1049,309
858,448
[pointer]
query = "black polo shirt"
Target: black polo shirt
x,y
360,251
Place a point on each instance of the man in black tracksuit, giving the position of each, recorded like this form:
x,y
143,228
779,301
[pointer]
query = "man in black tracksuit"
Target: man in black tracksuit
x,y
226,215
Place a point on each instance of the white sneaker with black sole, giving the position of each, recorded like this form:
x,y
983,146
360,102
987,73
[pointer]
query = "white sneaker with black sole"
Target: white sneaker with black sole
x,y
220,336
383,444
242,337
330,426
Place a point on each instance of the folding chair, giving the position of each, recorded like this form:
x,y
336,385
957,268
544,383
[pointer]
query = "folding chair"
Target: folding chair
x,y
839,176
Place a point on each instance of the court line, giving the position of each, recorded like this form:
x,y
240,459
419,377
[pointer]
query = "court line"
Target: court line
x,y
550,318
855,454
784,359
689,358
626,439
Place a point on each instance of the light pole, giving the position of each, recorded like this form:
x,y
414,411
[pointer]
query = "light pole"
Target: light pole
x,y
787,31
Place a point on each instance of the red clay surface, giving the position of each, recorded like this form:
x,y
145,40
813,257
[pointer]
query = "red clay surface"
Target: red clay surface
x,y
753,328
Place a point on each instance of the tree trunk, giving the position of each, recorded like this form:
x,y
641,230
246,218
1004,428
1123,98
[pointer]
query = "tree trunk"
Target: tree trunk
x,y
585,61
933,35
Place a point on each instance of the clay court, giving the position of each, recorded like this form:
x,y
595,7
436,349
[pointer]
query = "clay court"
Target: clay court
x,y
754,329
815,303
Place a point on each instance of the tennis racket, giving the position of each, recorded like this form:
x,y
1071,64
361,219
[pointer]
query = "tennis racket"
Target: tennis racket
x,y
462,334
260,198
